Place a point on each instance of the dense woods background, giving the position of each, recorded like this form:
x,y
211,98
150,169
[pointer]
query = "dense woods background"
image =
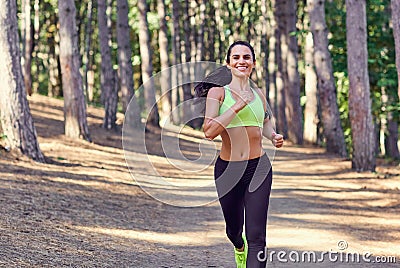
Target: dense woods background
x,y
328,68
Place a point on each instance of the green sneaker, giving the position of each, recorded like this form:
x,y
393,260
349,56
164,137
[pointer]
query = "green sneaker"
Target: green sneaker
x,y
241,256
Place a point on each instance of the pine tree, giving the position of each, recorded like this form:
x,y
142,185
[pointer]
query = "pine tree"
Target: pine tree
x,y
16,122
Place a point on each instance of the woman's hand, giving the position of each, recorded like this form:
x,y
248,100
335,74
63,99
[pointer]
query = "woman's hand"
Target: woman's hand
x,y
277,140
244,98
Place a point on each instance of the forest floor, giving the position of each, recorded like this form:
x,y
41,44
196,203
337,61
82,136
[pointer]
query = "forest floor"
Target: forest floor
x,y
84,209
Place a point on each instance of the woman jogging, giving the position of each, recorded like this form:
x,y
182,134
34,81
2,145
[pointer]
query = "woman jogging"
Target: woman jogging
x,y
243,173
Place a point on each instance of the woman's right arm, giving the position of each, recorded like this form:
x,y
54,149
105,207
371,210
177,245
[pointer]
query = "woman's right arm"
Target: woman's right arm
x,y
215,124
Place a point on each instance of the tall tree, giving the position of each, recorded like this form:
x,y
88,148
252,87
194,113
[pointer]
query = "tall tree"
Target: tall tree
x,y
125,62
395,5
362,127
193,21
281,73
186,58
200,34
263,45
27,45
392,138
330,117
272,50
310,77
292,94
210,31
87,48
220,30
389,127
15,117
175,60
74,100
109,90
147,66
53,41
35,52
165,71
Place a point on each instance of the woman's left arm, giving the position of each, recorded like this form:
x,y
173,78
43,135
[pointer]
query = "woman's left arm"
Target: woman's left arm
x,y
269,133
268,128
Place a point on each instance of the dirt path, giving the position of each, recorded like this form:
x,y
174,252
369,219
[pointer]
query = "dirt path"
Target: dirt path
x,y
85,210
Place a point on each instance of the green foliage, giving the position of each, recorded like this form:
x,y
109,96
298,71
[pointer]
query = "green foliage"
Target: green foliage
x,y
336,22
382,68
240,19
342,86
381,59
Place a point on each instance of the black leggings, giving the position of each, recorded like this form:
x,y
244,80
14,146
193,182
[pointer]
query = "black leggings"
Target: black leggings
x,y
245,186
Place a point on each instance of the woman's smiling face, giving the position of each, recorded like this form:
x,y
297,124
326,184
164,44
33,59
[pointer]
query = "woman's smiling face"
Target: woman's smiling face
x,y
241,61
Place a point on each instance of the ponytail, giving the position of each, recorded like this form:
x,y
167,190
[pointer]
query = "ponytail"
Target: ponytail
x,y
220,77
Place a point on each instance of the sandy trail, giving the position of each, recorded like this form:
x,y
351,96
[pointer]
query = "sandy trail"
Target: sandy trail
x,y
85,210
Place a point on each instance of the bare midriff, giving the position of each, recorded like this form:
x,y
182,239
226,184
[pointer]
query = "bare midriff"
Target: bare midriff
x,y
246,140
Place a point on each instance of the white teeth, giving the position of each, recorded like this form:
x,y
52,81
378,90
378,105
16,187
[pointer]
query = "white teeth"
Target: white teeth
x,y
241,68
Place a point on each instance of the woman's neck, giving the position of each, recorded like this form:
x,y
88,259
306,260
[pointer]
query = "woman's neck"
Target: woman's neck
x,y
239,83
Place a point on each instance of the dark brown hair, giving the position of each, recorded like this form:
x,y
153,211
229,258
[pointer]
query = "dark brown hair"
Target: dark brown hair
x,y
241,43
222,75
218,78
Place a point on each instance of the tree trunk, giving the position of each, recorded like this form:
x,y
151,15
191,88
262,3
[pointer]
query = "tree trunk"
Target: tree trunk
x,y
165,71
211,33
220,29
193,21
387,128
109,90
186,48
392,139
332,128
254,34
147,66
311,106
264,46
176,60
359,92
125,62
54,85
111,104
81,15
294,114
272,63
36,48
28,46
200,34
124,54
53,41
104,43
281,73
395,5
88,46
74,100
15,116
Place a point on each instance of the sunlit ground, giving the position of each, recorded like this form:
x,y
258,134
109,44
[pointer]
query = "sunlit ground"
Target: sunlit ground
x,y
87,209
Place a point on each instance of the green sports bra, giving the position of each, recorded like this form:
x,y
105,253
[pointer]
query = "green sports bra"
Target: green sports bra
x,y
251,115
